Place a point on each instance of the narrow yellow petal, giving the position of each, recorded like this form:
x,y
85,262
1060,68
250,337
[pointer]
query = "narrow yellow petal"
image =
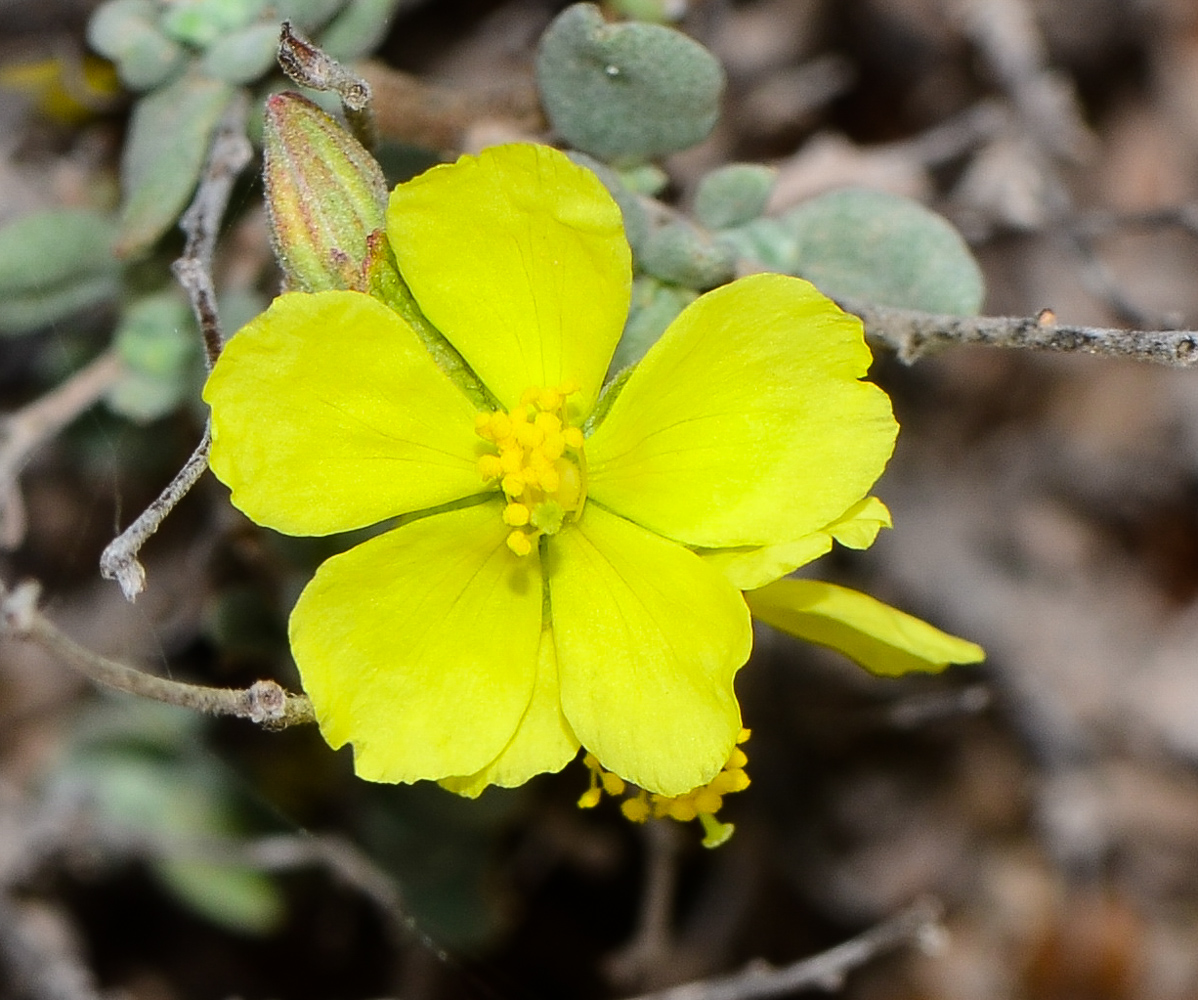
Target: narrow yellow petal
x,y
328,414
543,742
747,569
648,641
746,423
518,257
420,645
882,639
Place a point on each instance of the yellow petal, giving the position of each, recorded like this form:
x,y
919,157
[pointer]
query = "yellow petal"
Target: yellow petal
x,y
648,641
420,645
518,257
543,742
328,414
747,569
745,424
882,639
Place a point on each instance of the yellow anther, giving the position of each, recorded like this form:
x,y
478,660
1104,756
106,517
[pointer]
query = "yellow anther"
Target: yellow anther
x,y
738,758
553,445
519,543
501,426
529,435
549,423
482,426
682,809
489,467
590,798
743,735
573,437
613,784
548,478
529,396
636,810
708,801
513,484
568,387
512,459
549,399
516,515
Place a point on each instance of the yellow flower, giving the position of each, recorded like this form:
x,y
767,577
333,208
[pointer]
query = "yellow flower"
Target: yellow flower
x,y
561,574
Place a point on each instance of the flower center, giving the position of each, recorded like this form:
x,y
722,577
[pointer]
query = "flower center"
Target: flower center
x,y
538,462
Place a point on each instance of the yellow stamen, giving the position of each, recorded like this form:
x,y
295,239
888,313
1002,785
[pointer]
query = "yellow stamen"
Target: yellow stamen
x,y
515,514
700,803
532,465
519,543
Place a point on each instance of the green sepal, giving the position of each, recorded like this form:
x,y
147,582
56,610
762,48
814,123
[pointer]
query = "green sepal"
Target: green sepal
x,y
325,195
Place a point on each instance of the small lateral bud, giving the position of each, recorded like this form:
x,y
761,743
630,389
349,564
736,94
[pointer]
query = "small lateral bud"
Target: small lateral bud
x,y
325,195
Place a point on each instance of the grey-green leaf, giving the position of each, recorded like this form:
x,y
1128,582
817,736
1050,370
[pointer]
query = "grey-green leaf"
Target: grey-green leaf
x,y
359,28
733,195
54,263
626,92
164,153
126,31
243,56
654,306
884,249
202,22
678,253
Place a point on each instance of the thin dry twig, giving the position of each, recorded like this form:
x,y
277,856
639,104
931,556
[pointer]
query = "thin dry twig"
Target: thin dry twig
x,y
264,702
912,335
26,430
230,153
919,923
119,559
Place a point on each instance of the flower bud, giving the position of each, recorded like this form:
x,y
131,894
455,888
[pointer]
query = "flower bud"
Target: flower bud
x,y
325,194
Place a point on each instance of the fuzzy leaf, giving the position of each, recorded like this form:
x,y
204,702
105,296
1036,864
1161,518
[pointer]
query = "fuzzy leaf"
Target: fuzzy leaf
x,y
884,249
626,92
733,195
54,263
164,154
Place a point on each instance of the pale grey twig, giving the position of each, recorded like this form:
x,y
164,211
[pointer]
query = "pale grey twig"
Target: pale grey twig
x,y
264,702
918,924
119,559
26,430
912,335
230,152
